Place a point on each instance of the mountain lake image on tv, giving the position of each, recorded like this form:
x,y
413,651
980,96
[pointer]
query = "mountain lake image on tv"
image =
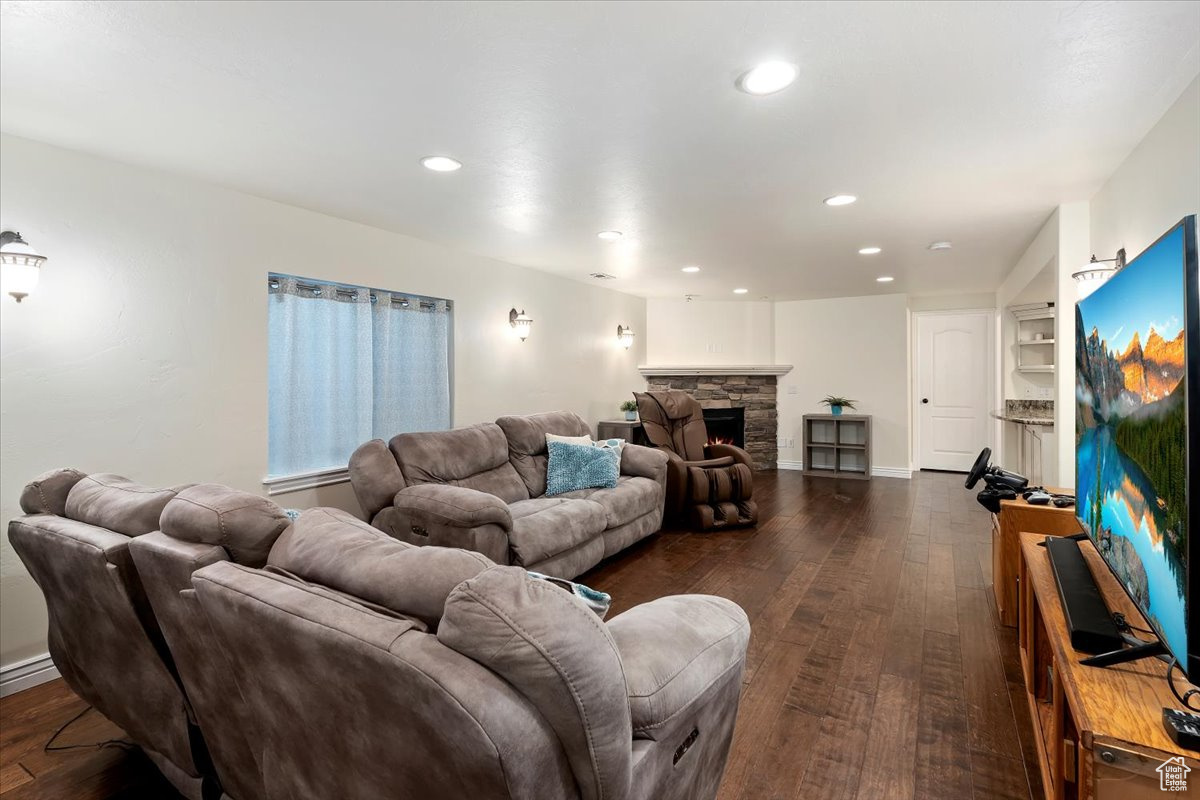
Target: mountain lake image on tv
x,y
1131,430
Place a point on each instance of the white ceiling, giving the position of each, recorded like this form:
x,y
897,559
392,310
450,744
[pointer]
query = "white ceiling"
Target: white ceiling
x,y
961,121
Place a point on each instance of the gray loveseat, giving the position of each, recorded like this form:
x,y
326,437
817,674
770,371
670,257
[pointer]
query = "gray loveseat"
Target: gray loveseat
x,y
483,488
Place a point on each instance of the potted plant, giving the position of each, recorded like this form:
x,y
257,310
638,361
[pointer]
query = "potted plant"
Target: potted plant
x,y
836,404
630,409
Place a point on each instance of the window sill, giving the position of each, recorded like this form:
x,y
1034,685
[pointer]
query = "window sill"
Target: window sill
x,y
282,484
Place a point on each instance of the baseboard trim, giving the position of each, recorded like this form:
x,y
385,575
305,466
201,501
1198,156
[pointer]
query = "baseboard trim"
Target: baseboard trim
x,y
876,472
891,472
27,674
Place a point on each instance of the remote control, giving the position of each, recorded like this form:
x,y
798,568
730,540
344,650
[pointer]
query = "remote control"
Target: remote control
x,y
1183,728
1037,498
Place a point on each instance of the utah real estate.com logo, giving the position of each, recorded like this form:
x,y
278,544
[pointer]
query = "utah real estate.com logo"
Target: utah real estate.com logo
x,y
1172,775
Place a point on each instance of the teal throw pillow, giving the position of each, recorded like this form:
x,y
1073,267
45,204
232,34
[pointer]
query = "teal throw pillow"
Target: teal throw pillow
x,y
580,466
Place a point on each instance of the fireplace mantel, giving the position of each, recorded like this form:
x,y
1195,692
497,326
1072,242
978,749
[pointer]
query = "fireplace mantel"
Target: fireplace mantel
x,y
672,370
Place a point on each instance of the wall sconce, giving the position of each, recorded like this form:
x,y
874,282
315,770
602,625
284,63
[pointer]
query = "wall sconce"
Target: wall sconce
x,y
1093,276
625,336
522,323
20,265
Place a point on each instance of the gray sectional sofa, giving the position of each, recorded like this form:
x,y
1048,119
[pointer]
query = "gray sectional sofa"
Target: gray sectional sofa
x,y
256,657
483,488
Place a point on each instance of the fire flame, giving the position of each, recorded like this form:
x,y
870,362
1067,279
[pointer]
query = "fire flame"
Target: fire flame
x,y
720,440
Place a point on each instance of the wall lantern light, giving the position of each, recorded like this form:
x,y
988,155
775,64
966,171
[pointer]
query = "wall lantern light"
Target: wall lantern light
x,y
1093,275
521,322
625,336
20,265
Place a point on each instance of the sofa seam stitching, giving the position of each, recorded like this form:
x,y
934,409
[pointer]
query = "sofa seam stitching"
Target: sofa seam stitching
x,y
684,706
680,671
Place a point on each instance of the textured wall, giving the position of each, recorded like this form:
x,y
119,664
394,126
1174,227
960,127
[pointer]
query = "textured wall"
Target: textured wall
x,y
144,350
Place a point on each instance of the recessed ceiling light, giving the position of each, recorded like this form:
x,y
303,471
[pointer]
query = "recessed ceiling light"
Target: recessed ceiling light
x,y
940,245
767,78
740,291
609,236
884,279
870,251
840,200
441,163
690,269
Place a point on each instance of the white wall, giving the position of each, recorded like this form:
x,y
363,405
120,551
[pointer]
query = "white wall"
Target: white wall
x,y
1156,186
143,351
705,332
951,302
1073,253
856,347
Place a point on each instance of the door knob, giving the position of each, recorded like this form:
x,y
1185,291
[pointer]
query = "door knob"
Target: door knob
x,y
924,399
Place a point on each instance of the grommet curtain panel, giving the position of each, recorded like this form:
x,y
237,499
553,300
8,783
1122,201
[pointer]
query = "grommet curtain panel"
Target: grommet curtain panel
x,y
347,364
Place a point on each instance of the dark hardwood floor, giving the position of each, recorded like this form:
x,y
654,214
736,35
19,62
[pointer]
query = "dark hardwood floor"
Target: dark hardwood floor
x,y
877,667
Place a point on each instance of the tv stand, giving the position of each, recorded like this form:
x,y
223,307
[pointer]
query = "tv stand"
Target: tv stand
x,y
1098,733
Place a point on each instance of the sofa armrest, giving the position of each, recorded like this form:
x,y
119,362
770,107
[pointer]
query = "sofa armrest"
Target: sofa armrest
x,y
676,652
456,506
644,462
730,451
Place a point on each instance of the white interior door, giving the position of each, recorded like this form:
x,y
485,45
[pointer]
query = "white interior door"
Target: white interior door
x,y
953,388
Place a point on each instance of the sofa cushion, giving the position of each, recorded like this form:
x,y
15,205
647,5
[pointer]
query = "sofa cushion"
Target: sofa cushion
x,y
475,457
244,524
632,498
332,548
117,503
527,443
576,466
47,493
546,526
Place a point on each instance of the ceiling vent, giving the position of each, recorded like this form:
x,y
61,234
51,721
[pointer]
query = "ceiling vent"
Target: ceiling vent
x,y
603,276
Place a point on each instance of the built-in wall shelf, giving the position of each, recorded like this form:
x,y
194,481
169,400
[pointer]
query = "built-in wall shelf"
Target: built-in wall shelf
x,y
1034,320
837,445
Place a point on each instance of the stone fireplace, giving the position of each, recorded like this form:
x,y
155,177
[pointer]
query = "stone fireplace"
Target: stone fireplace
x,y
726,392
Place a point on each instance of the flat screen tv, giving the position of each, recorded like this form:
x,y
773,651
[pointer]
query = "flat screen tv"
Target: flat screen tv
x,y
1137,381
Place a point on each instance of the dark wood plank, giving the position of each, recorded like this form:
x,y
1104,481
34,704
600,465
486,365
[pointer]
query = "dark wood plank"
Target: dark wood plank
x,y
888,769
943,764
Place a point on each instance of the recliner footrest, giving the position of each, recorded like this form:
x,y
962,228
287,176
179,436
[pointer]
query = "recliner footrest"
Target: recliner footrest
x,y
714,485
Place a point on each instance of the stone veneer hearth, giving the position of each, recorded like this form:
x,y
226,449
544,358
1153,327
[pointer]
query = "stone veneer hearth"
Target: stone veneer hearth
x,y
755,393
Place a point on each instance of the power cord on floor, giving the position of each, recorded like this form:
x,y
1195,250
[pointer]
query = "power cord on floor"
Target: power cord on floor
x,y
51,747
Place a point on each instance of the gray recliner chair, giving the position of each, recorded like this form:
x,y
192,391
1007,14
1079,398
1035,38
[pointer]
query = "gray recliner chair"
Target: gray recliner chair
x,y
203,525
372,668
104,637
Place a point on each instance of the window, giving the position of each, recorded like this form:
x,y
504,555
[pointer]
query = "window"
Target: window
x,y
347,364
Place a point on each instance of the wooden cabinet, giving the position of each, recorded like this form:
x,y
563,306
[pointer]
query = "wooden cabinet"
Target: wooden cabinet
x,y
1098,732
1016,517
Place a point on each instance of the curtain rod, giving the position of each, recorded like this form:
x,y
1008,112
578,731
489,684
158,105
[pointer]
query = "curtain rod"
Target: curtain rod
x,y
314,287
